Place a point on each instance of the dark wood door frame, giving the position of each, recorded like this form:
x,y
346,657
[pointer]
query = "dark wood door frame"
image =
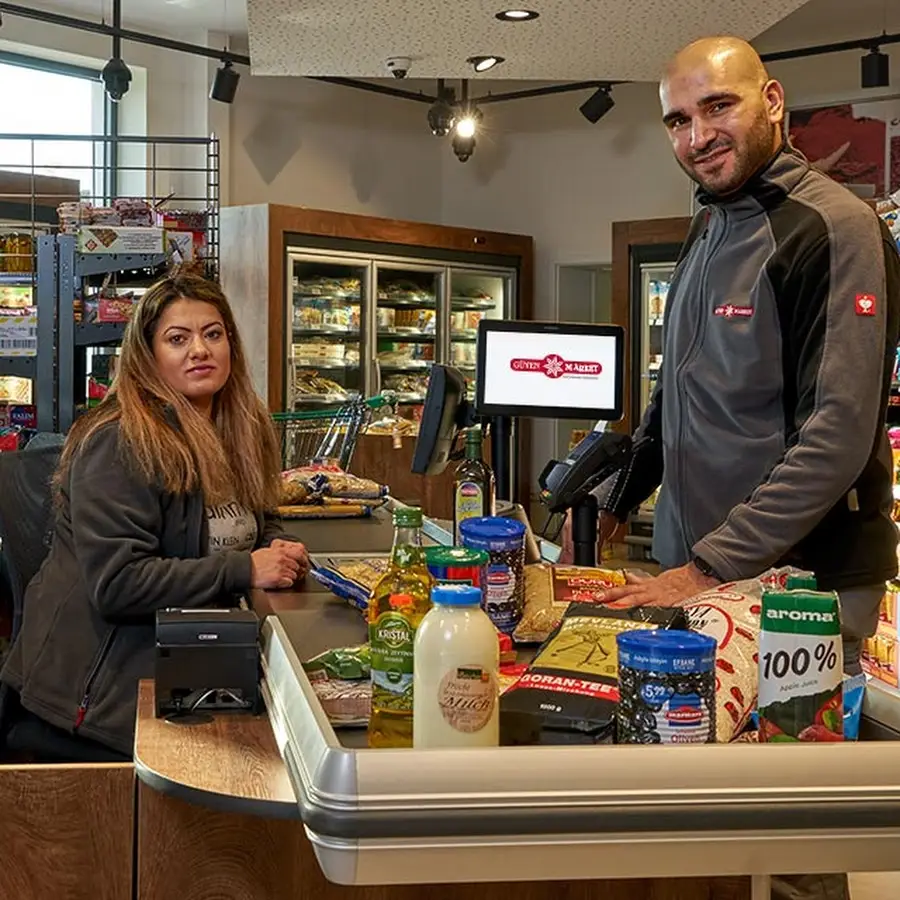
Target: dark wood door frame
x,y
635,242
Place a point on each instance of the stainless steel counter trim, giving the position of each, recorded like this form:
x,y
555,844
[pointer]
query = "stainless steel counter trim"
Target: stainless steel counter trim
x,y
394,793
882,704
319,757
545,857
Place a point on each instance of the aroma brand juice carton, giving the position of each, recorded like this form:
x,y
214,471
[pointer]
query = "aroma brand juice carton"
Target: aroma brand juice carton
x,y
800,667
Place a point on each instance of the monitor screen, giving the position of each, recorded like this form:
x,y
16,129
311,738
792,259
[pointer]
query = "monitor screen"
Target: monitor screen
x,y
550,370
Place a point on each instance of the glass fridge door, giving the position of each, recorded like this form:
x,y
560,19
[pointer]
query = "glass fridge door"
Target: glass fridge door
x,y
655,279
475,294
406,330
324,335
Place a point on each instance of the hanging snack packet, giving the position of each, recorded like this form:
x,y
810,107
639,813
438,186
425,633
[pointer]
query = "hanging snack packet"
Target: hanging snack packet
x,y
800,667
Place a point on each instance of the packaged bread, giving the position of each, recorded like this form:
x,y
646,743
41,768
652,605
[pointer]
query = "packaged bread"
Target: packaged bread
x,y
550,589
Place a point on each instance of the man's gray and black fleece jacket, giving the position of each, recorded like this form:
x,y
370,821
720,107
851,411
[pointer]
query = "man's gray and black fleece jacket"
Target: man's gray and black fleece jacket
x,y
766,429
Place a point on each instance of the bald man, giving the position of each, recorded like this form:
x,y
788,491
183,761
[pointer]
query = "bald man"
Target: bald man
x,y
766,428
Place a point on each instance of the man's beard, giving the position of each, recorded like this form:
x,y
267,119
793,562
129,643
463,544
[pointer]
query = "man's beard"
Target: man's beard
x,y
751,156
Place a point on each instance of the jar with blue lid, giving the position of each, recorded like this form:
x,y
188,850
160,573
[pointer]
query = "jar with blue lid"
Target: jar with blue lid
x,y
504,584
667,687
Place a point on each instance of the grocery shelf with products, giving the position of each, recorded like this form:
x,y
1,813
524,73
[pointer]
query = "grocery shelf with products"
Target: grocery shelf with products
x,y
362,324
77,253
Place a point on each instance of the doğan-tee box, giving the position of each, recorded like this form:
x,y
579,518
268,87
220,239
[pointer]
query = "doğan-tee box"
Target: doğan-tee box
x,y
118,239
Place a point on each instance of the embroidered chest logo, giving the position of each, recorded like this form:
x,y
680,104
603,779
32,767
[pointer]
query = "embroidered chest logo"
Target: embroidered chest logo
x,y
865,304
730,311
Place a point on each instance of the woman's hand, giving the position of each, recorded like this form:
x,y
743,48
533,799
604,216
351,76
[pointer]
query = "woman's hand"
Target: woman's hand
x,y
298,553
275,568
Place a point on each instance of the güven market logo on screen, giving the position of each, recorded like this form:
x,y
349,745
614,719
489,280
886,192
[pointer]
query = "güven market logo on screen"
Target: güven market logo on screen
x,y
554,366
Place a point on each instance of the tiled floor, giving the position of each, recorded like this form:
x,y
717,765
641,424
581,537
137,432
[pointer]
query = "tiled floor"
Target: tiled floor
x,y
875,886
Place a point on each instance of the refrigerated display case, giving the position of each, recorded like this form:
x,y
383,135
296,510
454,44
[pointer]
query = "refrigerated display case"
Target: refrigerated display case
x,y
333,305
654,291
360,325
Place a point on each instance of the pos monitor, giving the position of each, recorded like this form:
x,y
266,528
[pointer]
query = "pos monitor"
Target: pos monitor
x,y
550,370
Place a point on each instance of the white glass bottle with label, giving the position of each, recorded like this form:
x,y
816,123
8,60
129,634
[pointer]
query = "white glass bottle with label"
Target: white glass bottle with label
x,y
457,657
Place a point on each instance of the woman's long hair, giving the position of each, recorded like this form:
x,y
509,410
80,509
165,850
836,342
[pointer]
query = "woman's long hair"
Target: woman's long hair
x,y
233,456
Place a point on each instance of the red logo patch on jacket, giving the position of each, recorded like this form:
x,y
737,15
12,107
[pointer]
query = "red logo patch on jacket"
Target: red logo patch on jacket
x,y
865,304
730,311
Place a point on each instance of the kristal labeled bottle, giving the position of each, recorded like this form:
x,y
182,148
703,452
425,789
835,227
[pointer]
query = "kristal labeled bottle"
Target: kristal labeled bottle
x,y
399,602
474,487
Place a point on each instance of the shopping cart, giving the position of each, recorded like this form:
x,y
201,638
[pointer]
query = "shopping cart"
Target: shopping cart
x,y
324,436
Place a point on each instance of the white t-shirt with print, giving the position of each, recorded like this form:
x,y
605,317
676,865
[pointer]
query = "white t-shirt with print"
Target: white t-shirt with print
x,y
231,527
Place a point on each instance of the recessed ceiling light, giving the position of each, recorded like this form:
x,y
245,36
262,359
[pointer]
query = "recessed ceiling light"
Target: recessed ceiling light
x,y
517,15
483,63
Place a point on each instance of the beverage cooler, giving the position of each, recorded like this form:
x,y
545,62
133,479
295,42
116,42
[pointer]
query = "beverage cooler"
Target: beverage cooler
x,y
362,324
644,257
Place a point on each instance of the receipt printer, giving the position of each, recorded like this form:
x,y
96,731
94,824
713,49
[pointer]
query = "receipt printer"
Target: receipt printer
x,y
206,659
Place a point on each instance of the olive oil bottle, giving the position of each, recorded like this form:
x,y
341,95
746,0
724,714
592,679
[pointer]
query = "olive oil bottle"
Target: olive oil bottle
x,y
398,604
474,487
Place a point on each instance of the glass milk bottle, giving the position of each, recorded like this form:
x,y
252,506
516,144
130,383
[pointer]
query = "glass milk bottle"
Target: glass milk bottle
x,y
457,656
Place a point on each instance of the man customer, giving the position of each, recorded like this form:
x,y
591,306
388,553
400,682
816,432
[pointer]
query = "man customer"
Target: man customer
x,y
766,428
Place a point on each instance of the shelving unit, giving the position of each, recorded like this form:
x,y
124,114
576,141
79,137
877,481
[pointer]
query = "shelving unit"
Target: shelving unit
x,y
71,268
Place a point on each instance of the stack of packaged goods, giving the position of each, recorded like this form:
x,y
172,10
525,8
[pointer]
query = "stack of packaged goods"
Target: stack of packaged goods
x,y
880,652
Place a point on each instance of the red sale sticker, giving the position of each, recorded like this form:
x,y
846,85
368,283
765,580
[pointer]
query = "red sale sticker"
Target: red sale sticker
x,y
865,304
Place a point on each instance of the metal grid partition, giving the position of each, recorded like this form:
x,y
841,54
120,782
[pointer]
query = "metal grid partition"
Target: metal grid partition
x,y
40,171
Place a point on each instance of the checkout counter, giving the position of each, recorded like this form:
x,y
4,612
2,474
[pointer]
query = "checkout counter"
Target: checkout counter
x,y
283,805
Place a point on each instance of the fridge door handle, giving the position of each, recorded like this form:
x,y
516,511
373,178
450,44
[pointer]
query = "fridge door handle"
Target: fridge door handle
x,y
376,382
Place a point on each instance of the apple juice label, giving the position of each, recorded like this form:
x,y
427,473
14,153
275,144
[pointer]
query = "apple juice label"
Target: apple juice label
x,y
800,667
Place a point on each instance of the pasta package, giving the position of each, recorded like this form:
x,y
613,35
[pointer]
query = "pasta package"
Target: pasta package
x,y
550,589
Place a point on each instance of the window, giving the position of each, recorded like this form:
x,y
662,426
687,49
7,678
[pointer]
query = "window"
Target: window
x,y
45,98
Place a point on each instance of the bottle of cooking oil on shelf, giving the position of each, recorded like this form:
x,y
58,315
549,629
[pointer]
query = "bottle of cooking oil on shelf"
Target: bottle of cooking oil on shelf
x,y
474,486
398,604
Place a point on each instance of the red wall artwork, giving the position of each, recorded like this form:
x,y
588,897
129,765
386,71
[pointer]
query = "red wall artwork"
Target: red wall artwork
x,y
855,143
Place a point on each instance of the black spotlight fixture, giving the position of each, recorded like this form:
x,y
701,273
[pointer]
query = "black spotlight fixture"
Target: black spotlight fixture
x,y
876,69
463,146
442,113
464,133
597,105
116,78
225,84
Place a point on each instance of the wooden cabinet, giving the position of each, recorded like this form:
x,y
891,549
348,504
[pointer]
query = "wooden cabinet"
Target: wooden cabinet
x,y
255,242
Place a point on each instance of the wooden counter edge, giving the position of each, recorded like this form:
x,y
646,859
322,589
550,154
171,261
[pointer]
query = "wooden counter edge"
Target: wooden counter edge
x,y
210,764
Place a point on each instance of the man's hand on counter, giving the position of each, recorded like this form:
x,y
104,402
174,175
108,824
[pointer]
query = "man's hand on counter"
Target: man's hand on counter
x,y
668,589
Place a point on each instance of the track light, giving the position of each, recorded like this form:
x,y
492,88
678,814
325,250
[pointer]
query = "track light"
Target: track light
x,y
442,113
464,133
876,69
483,63
597,105
116,78
225,84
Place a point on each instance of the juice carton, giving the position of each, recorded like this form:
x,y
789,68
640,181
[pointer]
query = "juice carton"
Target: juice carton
x,y
800,667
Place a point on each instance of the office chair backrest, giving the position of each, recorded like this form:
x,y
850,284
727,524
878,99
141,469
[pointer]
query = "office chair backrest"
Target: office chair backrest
x,y
26,517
